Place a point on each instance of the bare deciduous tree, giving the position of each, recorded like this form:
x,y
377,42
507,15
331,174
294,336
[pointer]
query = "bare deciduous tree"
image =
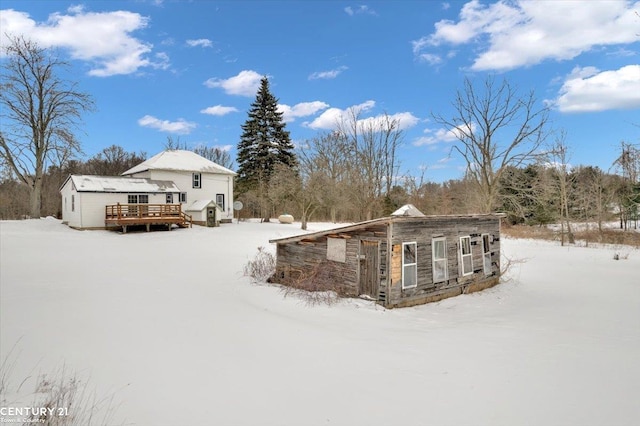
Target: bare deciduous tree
x,y
113,160
215,154
39,113
302,189
328,156
628,166
372,144
559,162
495,127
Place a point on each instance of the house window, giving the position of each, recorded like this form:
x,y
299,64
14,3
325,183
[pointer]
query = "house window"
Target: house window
x,y
137,199
197,180
486,254
465,256
73,203
439,254
220,201
183,197
409,265
169,198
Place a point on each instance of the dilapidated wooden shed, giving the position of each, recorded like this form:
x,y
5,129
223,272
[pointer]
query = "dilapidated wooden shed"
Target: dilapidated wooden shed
x,y
398,260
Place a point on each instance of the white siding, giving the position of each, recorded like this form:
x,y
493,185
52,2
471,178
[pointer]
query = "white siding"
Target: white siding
x,y
90,206
212,184
70,216
93,207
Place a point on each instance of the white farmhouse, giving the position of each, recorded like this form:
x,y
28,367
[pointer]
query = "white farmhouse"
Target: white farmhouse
x,y
198,178
172,187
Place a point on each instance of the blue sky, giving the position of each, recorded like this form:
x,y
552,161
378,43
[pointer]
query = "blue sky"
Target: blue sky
x,y
190,69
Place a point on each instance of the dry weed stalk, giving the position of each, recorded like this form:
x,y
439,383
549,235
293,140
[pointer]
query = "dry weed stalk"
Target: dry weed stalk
x,y
316,287
261,267
507,264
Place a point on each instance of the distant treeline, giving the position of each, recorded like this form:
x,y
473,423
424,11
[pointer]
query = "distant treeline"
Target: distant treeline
x,y
528,195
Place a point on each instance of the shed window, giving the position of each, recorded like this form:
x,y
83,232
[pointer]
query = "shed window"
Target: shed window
x,y
439,253
132,199
143,199
409,265
169,198
337,249
486,254
183,197
465,256
197,180
73,203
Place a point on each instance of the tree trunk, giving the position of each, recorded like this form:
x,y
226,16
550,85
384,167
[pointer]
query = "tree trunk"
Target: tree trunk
x,y
572,239
36,198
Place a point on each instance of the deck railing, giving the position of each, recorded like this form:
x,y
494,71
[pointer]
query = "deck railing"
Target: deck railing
x,y
124,211
120,214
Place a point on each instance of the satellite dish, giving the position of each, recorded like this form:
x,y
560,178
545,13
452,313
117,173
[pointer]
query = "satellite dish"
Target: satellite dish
x,y
237,205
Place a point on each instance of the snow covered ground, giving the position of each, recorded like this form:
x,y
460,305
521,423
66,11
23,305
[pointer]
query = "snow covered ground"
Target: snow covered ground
x,y
167,325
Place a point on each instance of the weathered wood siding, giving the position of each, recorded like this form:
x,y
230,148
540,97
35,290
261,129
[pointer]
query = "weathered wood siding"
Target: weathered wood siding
x,y
423,231
304,263
303,260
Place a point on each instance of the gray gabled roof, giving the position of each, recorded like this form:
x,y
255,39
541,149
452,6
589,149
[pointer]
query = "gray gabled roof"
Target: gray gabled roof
x,y
179,160
90,183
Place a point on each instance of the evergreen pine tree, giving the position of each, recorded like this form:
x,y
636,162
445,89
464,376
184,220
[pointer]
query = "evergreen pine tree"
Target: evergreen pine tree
x,y
264,143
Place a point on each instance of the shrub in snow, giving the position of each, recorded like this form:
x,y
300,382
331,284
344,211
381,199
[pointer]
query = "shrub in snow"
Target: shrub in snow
x,y
320,286
261,267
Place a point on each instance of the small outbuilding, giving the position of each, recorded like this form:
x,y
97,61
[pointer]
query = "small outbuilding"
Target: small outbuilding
x,y
401,260
205,213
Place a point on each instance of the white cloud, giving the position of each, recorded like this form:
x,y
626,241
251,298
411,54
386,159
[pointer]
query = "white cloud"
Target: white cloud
x,y
588,89
219,110
405,120
430,58
201,42
246,83
330,119
332,116
521,33
326,75
103,39
327,120
180,127
302,109
360,10
433,137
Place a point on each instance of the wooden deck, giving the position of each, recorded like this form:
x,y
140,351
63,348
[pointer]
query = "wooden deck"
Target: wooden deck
x,y
125,215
